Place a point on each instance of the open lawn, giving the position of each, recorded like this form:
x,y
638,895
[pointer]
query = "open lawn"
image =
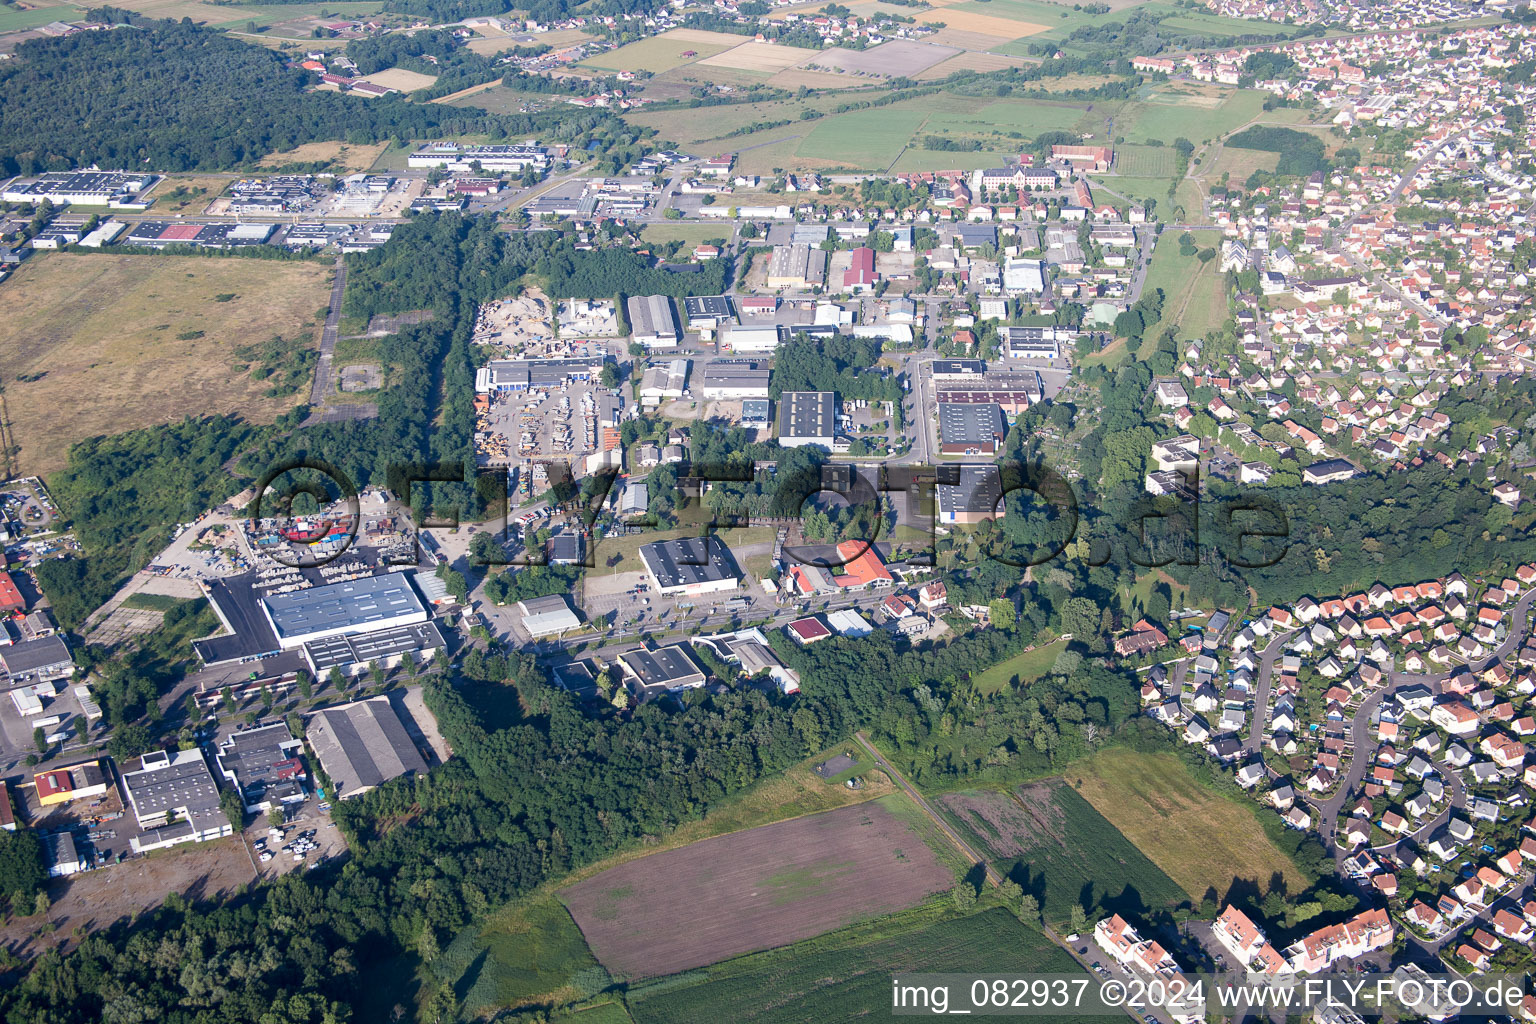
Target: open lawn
x,y
1194,293
237,15
1147,161
187,193
1029,117
1168,114
846,976
1029,666
862,138
1201,839
1057,846
99,344
757,889
663,52
682,231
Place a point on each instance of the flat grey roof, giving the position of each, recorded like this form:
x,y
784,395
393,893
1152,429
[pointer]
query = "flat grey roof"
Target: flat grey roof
x,y
736,373
184,783
807,414
362,745
980,489
31,655
350,603
699,306
378,645
652,315
690,560
971,424
664,668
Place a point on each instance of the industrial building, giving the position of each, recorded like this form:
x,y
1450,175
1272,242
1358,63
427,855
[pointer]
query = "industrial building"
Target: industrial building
x,y
490,157
68,783
807,417
1031,342
663,381
758,338
525,374
355,654
362,745
175,800
707,312
118,189
690,565
860,275
61,855
946,371
734,379
265,767
978,495
160,234
37,661
1024,277
341,609
757,413
547,616
653,322
970,429
796,266
649,674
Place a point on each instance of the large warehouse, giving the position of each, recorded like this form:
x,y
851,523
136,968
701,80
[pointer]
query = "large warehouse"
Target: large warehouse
x,y
362,745
691,565
175,800
343,609
807,417
653,322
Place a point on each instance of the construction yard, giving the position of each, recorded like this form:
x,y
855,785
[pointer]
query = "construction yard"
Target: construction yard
x,y
147,339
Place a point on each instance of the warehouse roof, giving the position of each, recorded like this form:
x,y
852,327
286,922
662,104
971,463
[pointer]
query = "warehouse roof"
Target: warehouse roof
x,y
689,560
31,655
970,424
807,414
362,745
666,668
350,604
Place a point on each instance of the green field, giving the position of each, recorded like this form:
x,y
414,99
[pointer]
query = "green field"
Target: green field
x,y
1052,842
656,54
524,952
1147,161
678,231
846,976
861,138
1167,115
1029,666
12,20
602,1013
1028,117
1211,25
1194,293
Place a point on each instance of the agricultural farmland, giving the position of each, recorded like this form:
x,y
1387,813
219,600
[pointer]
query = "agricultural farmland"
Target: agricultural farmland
x,y
1200,839
664,52
757,889
1054,843
847,976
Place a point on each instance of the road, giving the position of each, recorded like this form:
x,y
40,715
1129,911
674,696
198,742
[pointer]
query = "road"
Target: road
x,y
1267,658
325,377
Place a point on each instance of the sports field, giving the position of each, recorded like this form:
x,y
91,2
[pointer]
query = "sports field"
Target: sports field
x,y
1057,846
400,78
663,52
1146,161
846,976
102,344
1201,839
756,889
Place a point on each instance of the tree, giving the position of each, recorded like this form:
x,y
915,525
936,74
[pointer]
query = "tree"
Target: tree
x,y
233,806
610,375
22,874
1077,919
306,688
1029,909
377,671
1001,612
40,738
335,679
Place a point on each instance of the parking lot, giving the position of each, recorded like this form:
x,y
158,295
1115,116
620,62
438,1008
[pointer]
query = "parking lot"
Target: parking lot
x,y
307,837
559,422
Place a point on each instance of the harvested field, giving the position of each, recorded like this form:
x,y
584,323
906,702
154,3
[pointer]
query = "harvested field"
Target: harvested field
x,y
985,24
143,337
794,78
898,57
755,56
1053,843
400,78
977,43
751,890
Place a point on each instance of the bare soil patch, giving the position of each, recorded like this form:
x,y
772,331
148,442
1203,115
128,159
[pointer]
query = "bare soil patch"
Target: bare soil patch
x,y
752,890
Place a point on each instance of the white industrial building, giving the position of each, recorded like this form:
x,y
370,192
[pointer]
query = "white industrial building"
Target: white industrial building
x,y
653,322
